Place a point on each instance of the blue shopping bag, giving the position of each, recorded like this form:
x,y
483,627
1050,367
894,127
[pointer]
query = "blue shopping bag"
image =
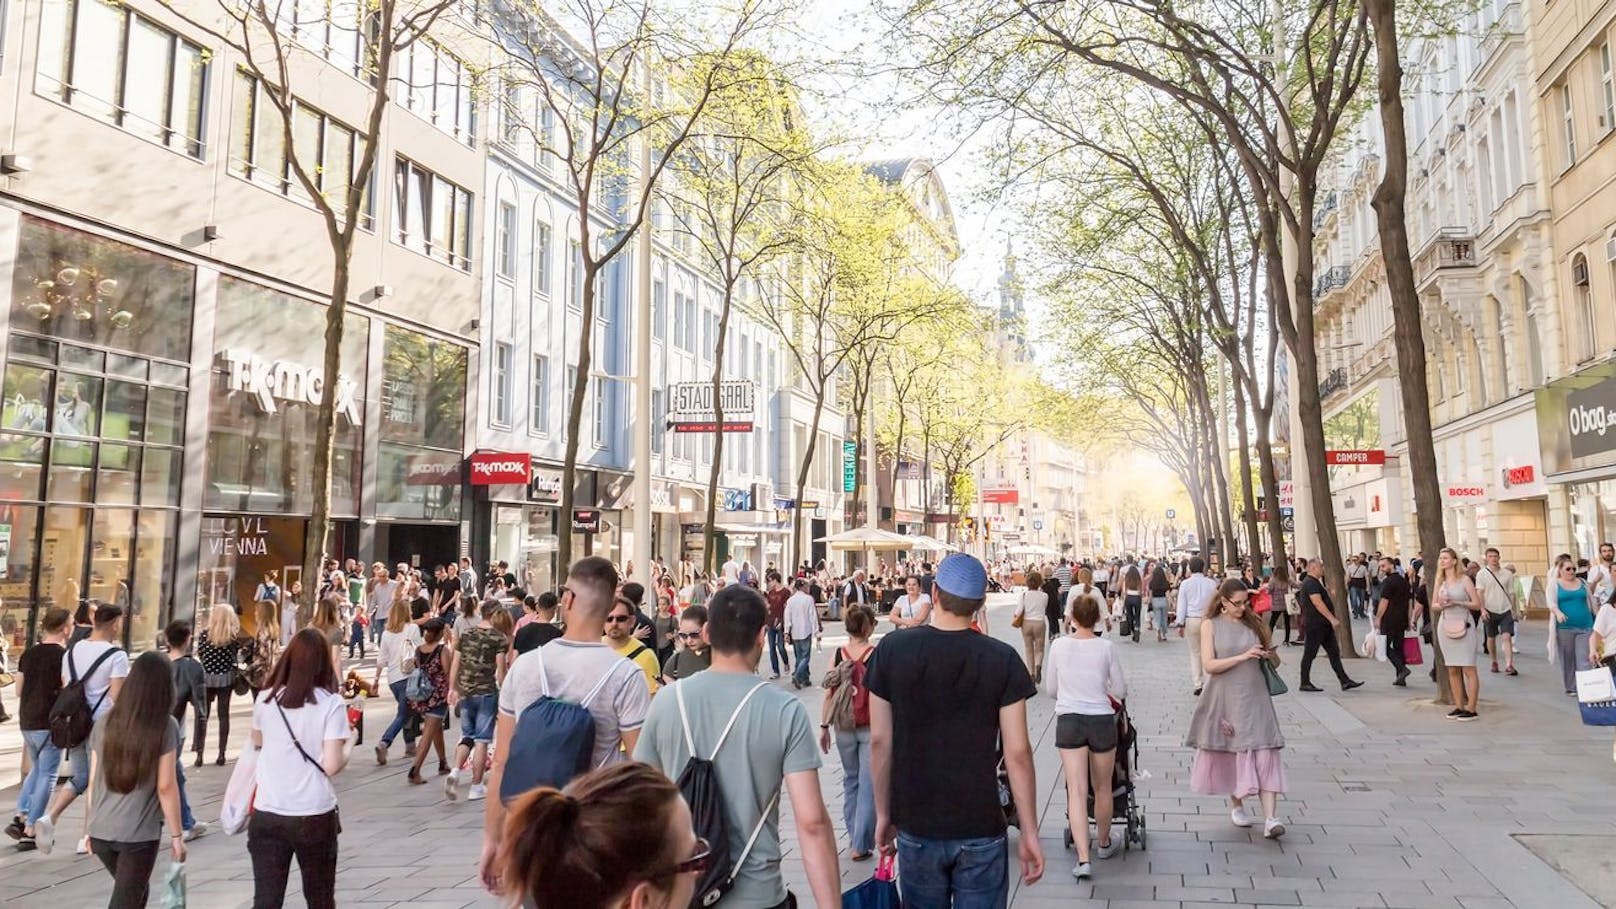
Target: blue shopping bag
x,y
879,892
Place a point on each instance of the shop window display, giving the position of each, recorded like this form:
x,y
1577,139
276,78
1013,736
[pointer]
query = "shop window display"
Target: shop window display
x,y
423,422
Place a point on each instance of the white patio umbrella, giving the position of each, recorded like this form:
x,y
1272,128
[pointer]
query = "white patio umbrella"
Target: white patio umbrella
x,y
867,539
926,543
1032,549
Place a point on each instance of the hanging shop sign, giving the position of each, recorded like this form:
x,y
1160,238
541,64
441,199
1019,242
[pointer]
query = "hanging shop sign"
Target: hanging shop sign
x,y
737,500
1519,476
586,520
1003,495
276,382
1355,458
544,485
690,406
499,468
849,465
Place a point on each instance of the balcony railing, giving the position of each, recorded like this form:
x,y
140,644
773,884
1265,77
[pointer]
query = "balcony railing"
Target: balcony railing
x,y
1332,278
1326,207
1334,382
1452,248
1507,26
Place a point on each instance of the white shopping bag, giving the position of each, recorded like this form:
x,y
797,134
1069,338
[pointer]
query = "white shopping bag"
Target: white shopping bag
x,y
238,793
1595,686
1373,646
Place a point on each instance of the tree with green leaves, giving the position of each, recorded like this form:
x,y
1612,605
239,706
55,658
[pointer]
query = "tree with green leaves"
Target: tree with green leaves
x,y
731,193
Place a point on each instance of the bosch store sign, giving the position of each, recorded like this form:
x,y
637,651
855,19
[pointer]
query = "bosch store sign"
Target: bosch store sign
x,y
1466,492
500,468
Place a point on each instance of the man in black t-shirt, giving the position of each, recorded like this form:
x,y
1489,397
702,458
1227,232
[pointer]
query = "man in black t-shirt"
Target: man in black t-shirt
x,y
1391,616
945,690
1318,626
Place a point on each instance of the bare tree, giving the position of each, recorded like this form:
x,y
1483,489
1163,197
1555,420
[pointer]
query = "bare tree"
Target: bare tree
x,y
270,37
612,77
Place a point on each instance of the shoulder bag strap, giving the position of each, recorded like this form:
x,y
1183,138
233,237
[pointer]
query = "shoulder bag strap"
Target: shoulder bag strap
x,y
91,671
606,677
684,718
763,818
295,743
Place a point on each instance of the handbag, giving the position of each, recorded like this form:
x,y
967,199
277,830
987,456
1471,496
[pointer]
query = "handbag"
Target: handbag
x,y
6,679
1412,654
1262,602
1276,685
879,892
1455,623
1596,696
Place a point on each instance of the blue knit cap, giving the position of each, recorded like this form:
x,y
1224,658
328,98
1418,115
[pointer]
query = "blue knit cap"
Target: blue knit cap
x,y
963,576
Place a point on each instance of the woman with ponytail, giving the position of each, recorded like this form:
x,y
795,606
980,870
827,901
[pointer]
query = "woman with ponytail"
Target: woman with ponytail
x,y
615,838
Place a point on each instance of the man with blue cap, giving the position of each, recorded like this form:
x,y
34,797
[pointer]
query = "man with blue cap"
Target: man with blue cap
x,y
941,698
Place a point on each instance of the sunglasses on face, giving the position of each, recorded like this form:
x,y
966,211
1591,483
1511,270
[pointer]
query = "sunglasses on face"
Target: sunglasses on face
x,y
689,635
1240,600
698,861
615,619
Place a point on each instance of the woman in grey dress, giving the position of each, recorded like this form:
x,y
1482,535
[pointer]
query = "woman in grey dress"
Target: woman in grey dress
x,y
1235,731
1456,597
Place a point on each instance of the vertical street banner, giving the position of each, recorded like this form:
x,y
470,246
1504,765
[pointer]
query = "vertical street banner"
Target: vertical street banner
x,y
849,465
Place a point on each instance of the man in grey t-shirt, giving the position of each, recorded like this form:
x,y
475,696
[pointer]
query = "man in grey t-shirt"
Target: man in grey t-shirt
x,y
769,749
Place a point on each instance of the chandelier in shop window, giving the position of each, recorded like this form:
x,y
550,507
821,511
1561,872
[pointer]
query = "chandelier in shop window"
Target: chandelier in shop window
x,y
86,294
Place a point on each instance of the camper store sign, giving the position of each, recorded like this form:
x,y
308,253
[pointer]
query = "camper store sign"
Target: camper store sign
x,y
276,382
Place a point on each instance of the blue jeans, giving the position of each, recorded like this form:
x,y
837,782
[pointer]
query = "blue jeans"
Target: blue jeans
x,y
44,760
477,717
858,789
400,718
965,874
777,650
1158,608
800,649
1355,601
79,756
187,819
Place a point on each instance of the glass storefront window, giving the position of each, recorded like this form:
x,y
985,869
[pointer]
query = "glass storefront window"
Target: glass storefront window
x,y
418,483
264,410
70,473
165,417
21,466
124,416
27,388
19,526
62,550
76,286
78,401
153,573
423,390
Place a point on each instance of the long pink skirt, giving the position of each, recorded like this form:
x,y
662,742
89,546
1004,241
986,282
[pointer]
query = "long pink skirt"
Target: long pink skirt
x,y
1239,774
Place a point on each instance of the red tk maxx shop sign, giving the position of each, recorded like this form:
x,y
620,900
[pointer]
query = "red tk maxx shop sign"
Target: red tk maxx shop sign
x,y
498,468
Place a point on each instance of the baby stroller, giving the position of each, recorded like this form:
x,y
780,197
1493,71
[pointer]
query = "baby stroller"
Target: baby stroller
x,y
355,691
1125,805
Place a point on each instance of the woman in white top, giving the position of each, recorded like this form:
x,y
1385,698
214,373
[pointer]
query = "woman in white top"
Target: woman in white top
x,y
1084,674
397,661
1034,627
300,726
913,609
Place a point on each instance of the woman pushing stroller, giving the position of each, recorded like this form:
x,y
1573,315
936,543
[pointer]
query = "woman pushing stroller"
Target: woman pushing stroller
x,y
1083,673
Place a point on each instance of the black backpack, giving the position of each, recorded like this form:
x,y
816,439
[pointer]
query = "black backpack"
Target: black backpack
x,y
698,782
71,716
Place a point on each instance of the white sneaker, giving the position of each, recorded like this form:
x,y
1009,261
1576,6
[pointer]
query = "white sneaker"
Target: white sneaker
x,y
451,785
1273,828
1082,871
1240,817
44,835
84,846
197,831
1108,850
476,793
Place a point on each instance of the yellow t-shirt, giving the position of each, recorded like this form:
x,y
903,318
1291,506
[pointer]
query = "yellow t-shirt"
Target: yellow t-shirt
x,y
645,658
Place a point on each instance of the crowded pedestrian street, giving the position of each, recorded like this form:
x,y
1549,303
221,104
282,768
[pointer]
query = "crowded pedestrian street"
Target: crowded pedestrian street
x,y
1388,806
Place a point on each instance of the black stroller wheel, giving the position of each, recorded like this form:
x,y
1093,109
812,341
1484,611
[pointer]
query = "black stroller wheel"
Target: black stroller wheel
x,y
1142,833
1066,838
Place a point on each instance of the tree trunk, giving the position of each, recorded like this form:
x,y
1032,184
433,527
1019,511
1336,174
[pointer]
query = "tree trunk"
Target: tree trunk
x,y
802,471
319,532
710,533
1311,413
575,407
1248,508
1268,471
1407,327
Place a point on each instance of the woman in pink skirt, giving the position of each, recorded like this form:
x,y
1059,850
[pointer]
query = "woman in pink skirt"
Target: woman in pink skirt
x,y
1235,731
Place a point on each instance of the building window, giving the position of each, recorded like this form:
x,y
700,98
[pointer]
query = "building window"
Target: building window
x,y
1568,125
568,392
104,59
433,215
658,419
1608,88
544,153
332,30
541,258
541,394
327,149
510,110
597,403
501,403
437,87
575,275
1587,327
507,240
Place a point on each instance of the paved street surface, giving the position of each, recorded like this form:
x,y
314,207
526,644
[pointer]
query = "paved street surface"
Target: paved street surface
x,y
1390,806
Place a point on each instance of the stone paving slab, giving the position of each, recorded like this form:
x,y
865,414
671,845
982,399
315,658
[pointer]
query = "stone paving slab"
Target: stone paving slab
x,y
1391,807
